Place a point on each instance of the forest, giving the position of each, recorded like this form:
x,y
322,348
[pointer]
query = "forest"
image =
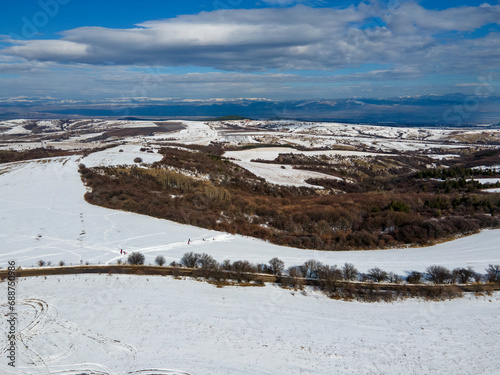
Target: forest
x,y
390,203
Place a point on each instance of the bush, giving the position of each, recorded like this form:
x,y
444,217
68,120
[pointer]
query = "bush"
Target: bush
x,y
61,263
463,275
294,278
206,262
493,273
378,275
277,266
41,263
136,258
190,260
310,269
414,277
439,274
160,260
349,272
394,278
138,160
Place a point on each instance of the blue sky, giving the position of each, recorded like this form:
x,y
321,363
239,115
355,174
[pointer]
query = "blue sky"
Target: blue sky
x,y
277,49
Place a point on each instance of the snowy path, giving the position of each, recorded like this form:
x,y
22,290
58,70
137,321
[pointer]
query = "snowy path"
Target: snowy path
x,y
43,216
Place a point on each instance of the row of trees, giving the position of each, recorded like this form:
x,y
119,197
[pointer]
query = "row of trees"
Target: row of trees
x,y
314,269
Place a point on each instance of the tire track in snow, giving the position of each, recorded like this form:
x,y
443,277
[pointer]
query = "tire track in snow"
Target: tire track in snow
x,y
44,320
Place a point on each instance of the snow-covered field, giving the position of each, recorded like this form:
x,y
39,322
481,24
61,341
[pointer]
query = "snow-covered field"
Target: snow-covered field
x,y
43,216
117,325
284,174
148,325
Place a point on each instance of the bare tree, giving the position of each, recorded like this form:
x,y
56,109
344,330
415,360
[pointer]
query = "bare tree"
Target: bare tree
x,y
329,277
414,277
160,260
294,278
463,275
438,274
136,258
277,266
394,278
378,275
493,273
206,261
310,269
349,272
190,260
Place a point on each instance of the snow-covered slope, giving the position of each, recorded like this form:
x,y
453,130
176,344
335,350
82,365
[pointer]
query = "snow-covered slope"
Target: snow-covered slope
x,y
117,325
43,216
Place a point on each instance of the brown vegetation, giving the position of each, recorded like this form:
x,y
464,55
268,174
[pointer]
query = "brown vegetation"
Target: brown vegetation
x,y
201,188
37,153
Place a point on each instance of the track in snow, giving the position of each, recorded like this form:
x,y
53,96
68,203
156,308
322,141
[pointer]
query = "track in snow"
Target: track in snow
x,y
46,343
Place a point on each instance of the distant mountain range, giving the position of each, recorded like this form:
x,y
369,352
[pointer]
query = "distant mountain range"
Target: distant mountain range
x,y
432,110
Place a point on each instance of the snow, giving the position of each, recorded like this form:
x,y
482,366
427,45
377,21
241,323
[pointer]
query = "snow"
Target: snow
x,y
493,190
275,174
443,157
487,180
43,215
123,324
113,156
152,325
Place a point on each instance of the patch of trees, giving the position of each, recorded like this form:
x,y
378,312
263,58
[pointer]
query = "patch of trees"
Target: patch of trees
x,y
37,153
342,282
202,188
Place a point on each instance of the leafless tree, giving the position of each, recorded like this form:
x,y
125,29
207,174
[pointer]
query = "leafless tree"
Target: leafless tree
x,y
277,266
349,272
378,275
136,258
463,275
493,273
438,274
160,260
310,269
414,277
189,260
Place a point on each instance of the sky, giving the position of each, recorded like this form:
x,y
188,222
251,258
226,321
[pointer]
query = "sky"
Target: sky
x,y
70,50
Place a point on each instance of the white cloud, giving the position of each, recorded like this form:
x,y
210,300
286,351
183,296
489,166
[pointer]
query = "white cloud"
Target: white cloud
x,y
403,48
260,39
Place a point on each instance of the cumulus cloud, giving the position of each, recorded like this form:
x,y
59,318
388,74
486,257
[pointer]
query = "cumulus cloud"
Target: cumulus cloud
x,y
258,39
401,43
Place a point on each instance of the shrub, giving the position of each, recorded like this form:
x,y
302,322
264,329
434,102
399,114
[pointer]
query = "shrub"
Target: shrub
x,y
206,261
349,272
160,260
294,278
61,263
190,260
438,274
138,160
41,263
463,275
277,266
378,275
414,277
136,258
394,278
493,273
310,269
398,206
